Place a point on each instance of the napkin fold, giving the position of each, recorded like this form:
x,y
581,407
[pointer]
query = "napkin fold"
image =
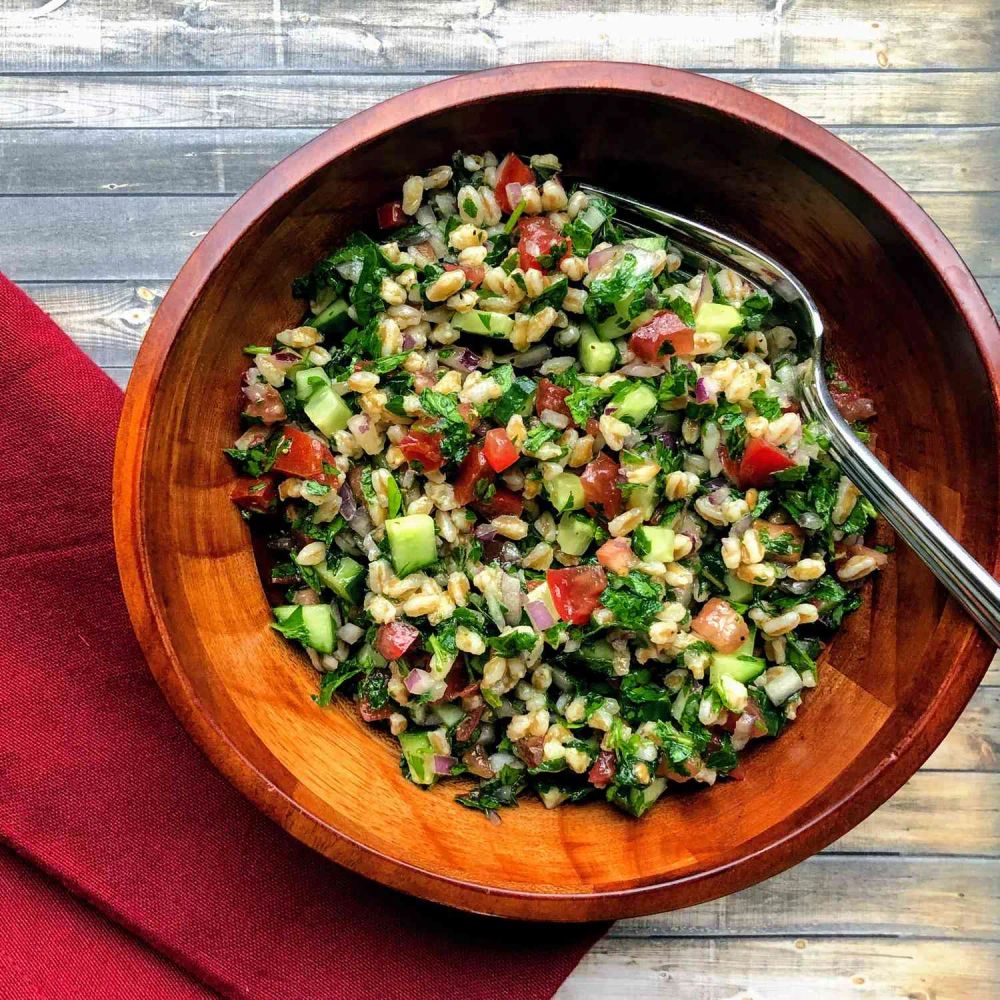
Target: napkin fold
x,y
102,789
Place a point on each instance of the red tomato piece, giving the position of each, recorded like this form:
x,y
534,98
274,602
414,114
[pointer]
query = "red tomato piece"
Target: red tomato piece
x,y
473,468
468,413
499,451
761,461
666,327
254,494
395,638
512,170
474,273
616,555
729,465
600,485
305,455
370,714
537,238
503,501
390,215
550,396
576,592
423,447
719,624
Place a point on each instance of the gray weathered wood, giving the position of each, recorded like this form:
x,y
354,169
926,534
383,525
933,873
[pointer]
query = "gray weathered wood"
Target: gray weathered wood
x,y
114,238
227,161
465,34
914,897
212,100
787,968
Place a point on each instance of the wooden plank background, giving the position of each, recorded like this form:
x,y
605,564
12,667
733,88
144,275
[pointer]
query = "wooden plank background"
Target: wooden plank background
x,y
127,128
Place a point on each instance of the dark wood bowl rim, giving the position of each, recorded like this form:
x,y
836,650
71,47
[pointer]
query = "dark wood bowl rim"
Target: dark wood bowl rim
x,y
973,652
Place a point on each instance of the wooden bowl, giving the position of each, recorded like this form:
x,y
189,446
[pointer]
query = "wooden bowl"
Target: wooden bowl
x,y
906,321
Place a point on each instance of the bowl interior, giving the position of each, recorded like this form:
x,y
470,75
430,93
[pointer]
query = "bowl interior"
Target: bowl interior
x,y
325,775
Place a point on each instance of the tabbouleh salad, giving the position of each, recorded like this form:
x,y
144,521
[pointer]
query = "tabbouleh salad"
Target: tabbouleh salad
x,y
540,499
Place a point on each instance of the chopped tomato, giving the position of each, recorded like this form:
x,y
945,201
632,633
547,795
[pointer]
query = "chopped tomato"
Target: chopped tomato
x,y
853,406
503,501
268,410
600,485
499,451
512,170
616,555
390,215
761,461
465,729
537,238
550,396
576,592
254,494
665,334
473,468
719,624
786,540
751,709
423,447
305,455
592,426
474,273
395,638
370,714
468,413
730,465
602,772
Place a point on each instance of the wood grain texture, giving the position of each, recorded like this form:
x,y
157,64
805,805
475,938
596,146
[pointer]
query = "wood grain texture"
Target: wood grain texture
x,y
878,727
451,35
281,100
228,161
789,967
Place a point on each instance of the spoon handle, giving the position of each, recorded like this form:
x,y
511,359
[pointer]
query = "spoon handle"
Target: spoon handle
x,y
968,582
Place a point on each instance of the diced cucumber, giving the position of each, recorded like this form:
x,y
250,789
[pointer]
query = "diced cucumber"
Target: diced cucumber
x,y
486,324
369,658
654,544
317,622
613,327
739,590
449,713
598,655
743,668
575,533
650,243
732,691
643,498
345,578
442,659
716,317
593,218
308,381
327,410
565,491
333,319
636,801
597,356
552,796
419,756
635,404
411,542
323,300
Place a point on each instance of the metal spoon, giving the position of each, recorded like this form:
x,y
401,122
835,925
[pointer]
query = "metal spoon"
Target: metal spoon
x,y
967,581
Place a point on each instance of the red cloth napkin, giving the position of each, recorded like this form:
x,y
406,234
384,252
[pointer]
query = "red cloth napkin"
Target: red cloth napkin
x,y
101,788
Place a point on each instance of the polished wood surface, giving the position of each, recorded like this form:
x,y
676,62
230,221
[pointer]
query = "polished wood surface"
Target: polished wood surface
x,y
105,103
767,175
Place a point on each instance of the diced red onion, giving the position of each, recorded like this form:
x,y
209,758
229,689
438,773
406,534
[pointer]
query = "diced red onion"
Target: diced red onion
x,y
419,681
810,521
796,587
598,259
509,554
256,386
348,504
743,731
540,615
359,423
443,765
498,761
717,497
252,436
741,526
462,360
425,215
705,390
415,238
513,192
705,294
531,358
485,532
408,342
